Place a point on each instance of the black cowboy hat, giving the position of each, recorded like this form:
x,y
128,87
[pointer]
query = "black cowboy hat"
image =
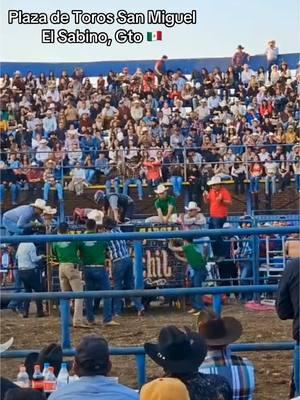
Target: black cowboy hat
x,y
177,351
218,331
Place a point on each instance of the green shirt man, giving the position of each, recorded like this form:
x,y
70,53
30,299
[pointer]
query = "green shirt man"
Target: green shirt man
x,y
66,252
92,252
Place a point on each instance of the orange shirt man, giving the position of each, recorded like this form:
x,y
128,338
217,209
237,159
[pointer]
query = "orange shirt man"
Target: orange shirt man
x,y
219,200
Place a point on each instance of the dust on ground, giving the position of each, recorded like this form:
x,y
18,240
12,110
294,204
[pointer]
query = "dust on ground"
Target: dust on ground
x,y
273,369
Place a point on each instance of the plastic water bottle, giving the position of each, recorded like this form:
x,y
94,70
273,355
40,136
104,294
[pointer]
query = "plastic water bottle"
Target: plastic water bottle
x,y
50,381
45,370
23,378
63,376
38,379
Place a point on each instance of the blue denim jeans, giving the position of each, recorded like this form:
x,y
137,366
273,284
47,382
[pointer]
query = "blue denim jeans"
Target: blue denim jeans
x,y
16,304
58,187
270,181
134,181
245,272
198,278
254,184
297,182
177,185
89,174
13,190
122,272
109,183
96,278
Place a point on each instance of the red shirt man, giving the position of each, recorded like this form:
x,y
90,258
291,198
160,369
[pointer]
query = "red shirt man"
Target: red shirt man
x,y
219,199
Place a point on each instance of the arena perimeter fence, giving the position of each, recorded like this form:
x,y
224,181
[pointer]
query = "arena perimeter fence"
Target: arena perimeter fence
x,y
138,237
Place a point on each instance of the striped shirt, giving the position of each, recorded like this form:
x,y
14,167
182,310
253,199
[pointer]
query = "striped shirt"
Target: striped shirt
x,y
238,371
118,248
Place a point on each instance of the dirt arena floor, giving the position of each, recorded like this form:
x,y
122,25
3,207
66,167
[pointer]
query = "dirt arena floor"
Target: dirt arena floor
x,y
273,369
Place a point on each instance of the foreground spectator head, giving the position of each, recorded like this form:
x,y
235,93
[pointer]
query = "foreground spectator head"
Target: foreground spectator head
x,y
92,357
23,394
109,223
51,354
63,228
218,332
177,351
164,389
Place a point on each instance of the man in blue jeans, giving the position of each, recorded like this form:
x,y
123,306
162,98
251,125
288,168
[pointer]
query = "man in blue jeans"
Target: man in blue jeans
x,y
92,255
132,175
122,267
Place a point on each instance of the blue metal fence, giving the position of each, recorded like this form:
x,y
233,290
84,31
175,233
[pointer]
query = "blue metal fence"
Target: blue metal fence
x,y
216,292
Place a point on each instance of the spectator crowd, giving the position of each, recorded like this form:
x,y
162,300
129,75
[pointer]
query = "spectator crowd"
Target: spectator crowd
x,y
153,126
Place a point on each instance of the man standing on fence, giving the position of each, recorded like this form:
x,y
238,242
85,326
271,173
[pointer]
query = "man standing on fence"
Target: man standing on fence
x,y
93,254
122,267
66,254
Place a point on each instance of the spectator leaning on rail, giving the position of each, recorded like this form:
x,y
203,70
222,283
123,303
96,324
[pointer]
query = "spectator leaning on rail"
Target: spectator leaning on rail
x,y
23,217
116,205
287,307
92,365
92,255
66,253
180,354
219,333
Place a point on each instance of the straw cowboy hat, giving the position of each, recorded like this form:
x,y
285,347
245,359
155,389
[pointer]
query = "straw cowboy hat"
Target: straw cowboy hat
x,y
192,206
218,331
215,180
161,189
5,346
43,141
177,351
97,216
49,211
39,203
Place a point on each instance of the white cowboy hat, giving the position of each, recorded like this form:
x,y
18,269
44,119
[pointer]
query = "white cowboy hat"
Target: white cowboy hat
x,y
97,216
50,211
161,189
5,346
43,141
215,180
192,206
39,203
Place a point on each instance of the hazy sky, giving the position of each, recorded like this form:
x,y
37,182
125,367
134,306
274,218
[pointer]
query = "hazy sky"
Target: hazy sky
x,y
221,26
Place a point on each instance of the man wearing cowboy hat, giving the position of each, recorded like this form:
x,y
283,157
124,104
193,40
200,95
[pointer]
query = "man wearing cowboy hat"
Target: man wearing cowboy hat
x,y
22,217
165,206
93,255
193,218
180,353
219,333
219,199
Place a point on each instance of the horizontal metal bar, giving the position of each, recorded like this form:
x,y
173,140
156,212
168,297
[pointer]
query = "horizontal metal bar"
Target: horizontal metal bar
x,y
151,235
140,293
120,351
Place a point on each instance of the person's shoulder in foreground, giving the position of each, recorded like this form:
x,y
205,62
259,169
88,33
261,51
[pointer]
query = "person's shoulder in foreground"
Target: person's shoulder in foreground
x,y
92,364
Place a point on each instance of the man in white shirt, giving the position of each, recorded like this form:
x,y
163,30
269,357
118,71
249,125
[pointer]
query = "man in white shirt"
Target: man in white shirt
x,y
49,123
203,111
27,261
42,152
271,53
246,74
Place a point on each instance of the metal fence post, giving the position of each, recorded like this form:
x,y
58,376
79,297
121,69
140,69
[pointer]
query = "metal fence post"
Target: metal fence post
x,y
297,369
217,304
138,265
255,264
65,324
141,369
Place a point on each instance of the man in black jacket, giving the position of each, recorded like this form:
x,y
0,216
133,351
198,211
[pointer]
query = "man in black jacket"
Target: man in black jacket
x,y
288,306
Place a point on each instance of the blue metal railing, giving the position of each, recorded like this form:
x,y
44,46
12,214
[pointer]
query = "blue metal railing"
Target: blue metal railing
x,y
139,292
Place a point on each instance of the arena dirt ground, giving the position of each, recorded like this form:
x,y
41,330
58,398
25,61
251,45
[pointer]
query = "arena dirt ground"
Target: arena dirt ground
x,y
272,368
